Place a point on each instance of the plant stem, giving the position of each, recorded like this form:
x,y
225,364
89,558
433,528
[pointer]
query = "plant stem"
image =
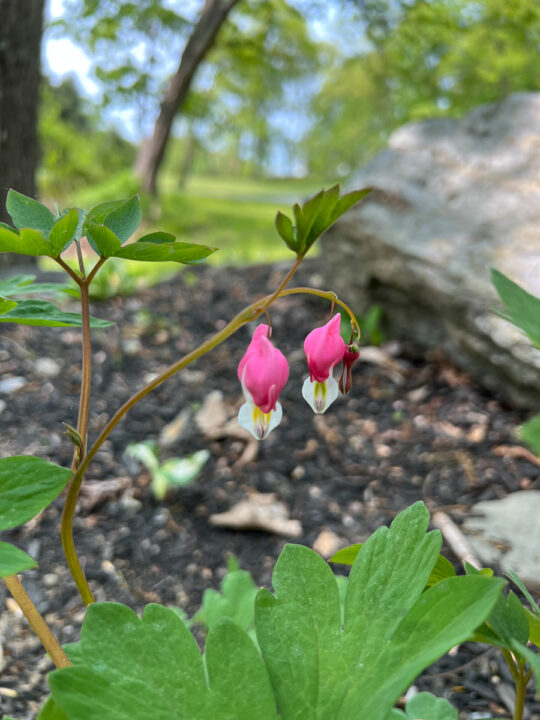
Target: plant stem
x,y
252,312
78,454
521,687
36,622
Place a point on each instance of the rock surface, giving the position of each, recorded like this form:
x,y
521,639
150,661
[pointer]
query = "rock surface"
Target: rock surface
x,y
451,199
506,532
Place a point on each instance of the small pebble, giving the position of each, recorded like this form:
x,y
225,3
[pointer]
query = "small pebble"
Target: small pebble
x,y
10,385
47,367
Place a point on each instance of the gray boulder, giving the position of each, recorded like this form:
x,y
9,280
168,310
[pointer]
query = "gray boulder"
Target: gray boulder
x,y
451,199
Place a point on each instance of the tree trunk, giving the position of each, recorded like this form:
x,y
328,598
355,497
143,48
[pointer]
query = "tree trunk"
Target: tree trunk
x,y
151,152
20,50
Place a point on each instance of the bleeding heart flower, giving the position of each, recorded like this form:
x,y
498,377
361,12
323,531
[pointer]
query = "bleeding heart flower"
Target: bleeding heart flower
x,y
349,358
324,348
263,372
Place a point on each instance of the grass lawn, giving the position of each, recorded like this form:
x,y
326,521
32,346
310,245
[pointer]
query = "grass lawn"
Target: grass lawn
x,y
234,215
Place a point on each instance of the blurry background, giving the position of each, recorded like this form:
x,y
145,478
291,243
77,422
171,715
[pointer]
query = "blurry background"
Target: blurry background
x,y
224,109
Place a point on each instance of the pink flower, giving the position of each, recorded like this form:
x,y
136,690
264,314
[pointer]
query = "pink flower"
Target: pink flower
x,y
263,372
349,358
324,348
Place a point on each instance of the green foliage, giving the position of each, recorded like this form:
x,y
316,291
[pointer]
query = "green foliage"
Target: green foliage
x,y
442,569
315,217
523,308
316,663
174,472
529,433
317,667
134,669
29,213
13,560
533,658
426,706
27,485
235,601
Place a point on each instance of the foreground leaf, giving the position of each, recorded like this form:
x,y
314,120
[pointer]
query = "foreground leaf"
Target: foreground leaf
x,y
162,251
29,213
125,219
523,308
63,231
6,305
27,242
27,485
42,312
13,560
392,630
152,668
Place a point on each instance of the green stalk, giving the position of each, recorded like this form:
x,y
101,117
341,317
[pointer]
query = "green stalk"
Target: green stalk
x,y
249,314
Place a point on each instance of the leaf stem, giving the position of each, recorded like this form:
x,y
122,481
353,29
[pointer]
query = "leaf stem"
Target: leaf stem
x,y
36,622
521,687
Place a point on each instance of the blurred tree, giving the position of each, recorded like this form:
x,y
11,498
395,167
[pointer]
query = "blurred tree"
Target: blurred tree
x,y
256,70
425,59
75,149
20,42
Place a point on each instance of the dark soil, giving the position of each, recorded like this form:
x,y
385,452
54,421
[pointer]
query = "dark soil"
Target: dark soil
x,y
425,431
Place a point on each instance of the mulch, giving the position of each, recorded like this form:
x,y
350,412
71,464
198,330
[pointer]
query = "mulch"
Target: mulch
x,y
414,427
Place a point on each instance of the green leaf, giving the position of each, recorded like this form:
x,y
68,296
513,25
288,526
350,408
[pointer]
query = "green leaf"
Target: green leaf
x,y
508,619
102,239
158,237
523,308
24,284
42,312
532,658
97,214
51,711
63,231
154,251
534,627
285,229
125,219
28,242
136,669
442,569
29,213
27,485
6,305
428,707
521,585
13,560
529,433
235,601
392,629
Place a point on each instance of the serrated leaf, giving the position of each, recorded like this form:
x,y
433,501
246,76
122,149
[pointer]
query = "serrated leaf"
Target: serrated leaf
x,y
13,560
235,601
27,485
442,569
135,669
391,632
285,229
63,231
102,239
29,213
44,313
27,242
426,706
529,433
153,251
125,219
523,308
6,305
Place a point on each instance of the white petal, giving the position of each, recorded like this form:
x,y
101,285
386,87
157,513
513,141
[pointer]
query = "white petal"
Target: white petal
x,y
320,396
259,424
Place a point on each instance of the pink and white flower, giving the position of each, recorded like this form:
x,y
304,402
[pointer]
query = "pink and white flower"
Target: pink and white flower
x,y
263,372
324,348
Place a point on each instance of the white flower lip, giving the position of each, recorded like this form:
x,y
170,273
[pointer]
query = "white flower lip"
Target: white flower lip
x,y
258,423
320,396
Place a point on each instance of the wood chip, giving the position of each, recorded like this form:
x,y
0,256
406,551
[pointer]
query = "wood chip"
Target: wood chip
x,y
94,492
212,414
516,452
259,511
327,543
455,538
